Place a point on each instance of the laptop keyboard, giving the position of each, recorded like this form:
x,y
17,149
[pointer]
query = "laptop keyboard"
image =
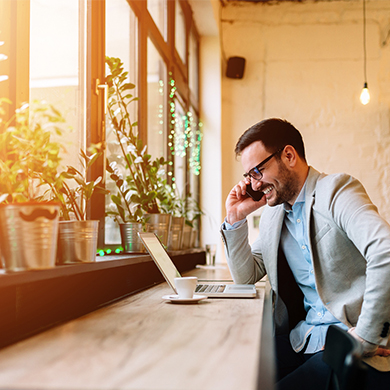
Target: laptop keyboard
x,y
210,288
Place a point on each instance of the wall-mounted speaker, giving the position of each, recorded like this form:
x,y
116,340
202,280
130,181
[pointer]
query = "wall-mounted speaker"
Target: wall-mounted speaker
x,y
235,67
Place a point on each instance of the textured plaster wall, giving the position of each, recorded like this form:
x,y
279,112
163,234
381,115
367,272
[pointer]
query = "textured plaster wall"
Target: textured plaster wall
x,y
304,63
210,188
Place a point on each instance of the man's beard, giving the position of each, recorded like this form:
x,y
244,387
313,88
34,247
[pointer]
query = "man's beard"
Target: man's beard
x,y
288,186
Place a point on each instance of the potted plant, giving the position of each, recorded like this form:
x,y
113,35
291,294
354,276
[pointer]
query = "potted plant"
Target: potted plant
x,y
175,205
128,216
77,234
140,180
192,215
28,161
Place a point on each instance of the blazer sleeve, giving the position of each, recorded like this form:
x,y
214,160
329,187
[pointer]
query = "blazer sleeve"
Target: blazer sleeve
x,y
356,216
245,263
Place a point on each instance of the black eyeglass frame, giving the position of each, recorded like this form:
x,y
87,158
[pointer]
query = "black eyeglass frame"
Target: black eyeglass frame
x,y
258,166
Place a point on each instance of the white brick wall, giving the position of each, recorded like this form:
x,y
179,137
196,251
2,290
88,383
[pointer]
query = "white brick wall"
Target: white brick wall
x,y
305,64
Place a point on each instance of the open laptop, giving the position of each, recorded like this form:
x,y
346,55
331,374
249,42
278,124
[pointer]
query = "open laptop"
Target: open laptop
x,y
170,272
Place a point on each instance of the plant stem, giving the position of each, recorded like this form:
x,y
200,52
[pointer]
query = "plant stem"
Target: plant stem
x,y
74,205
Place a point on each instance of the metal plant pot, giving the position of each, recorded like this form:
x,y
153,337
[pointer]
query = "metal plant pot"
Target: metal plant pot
x,y
176,233
130,241
28,235
187,235
77,241
194,236
159,224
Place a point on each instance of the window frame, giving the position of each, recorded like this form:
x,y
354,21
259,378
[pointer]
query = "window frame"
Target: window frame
x,y
15,19
176,68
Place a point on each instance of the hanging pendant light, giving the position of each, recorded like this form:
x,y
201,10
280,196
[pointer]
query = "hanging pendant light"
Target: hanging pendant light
x,y
365,94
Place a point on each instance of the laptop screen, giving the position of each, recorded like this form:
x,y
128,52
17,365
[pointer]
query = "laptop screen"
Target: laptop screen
x,y
160,257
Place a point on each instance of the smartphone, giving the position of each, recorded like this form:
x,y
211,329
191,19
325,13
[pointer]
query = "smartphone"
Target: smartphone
x,y
255,195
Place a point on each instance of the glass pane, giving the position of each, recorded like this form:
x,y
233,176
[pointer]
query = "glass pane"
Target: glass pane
x,y
193,67
122,36
157,87
57,66
180,31
194,146
121,42
158,11
180,137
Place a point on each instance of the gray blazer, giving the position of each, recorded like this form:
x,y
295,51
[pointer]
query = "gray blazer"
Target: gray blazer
x,y
350,251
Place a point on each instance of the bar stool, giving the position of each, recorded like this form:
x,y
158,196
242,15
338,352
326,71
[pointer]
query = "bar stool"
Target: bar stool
x,y
343,354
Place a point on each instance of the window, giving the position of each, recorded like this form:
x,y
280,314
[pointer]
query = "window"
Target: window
x,y
121,42
59,55
167,85
180,31
57,67
193,69
122,36
158,11
157,107
179,146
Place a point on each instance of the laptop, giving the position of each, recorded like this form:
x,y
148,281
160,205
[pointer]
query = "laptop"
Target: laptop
x,y
170,272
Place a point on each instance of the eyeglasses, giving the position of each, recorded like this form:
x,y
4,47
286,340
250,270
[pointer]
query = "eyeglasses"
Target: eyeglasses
x,y
255,172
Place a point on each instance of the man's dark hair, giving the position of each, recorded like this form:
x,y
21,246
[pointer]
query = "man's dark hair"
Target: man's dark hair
x,y
274,133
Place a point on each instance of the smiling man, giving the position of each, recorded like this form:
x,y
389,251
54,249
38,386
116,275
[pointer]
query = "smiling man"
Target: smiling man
x,y
324,247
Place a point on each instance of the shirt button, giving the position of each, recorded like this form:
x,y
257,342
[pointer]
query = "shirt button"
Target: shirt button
x,y
312,271
298,220
319,314
303,246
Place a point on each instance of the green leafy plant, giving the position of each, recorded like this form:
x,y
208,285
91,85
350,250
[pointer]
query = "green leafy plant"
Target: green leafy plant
x,y
181,206
72,188
140,181
29,159
193,211
173,203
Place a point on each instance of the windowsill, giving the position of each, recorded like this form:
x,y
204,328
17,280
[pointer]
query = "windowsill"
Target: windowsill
x,y
33,301
102,262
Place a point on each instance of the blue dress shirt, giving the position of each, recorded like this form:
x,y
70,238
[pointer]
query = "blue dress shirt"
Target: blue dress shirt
x,y
294,241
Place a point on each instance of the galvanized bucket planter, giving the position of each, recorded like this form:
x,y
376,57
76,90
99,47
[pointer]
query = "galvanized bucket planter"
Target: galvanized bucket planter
x,y
176,233
77,241
28,235
131,243
159,224
187,236
194,236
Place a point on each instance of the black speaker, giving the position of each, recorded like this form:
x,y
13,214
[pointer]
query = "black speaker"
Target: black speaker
x,y
235,67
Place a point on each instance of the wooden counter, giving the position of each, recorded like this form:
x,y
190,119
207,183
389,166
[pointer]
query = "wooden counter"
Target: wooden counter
x,y
33,301
142,343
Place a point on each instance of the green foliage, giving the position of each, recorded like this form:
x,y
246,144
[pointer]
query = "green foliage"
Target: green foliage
x,y
180,206
140,181
193,211
73,190
28,157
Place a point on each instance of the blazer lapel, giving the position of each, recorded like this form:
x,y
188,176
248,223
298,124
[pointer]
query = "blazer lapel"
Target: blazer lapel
x,y
272,228
272,237
311,183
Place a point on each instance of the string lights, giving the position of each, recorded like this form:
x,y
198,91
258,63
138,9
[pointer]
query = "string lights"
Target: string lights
x,y
185,134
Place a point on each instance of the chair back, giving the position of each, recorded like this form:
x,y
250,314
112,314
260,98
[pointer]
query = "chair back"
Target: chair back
x,y
343,354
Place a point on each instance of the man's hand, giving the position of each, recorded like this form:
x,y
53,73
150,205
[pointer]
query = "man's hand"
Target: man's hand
x,y
369,349
239,204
